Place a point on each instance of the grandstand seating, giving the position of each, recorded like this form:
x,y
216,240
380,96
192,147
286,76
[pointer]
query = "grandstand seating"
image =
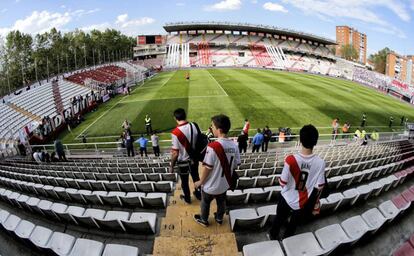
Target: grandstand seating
x,y
105,75
127,196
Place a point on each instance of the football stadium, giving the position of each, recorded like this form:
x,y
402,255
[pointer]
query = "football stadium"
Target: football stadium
x,y
296,143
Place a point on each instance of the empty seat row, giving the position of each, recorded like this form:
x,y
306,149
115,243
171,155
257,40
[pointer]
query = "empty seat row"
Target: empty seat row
x,y
96,175
102,185
254,218
327,239
137,222
111,198
58,243
252,195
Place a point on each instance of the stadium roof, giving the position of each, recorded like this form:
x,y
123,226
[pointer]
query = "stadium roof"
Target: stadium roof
x,y
230,26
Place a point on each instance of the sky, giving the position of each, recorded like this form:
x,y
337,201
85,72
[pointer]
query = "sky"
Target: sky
x,y
387,23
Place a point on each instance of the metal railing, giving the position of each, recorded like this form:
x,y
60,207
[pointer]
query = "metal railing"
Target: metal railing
x,y
292,141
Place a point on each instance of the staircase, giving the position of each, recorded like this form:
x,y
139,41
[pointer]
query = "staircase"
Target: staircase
x,y
57,97
260,54
25,112
181,235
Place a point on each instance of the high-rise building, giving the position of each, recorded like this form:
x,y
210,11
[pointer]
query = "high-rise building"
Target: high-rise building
x,y
399,67
346,35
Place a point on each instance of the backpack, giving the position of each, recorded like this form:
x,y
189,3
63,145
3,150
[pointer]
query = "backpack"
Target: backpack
x,y
199,151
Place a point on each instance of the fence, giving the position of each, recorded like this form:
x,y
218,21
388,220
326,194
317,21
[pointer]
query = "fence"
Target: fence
x,y
115,149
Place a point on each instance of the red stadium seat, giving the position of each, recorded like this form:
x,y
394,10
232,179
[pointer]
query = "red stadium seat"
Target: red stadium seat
x,y
408,195
400,202
405,249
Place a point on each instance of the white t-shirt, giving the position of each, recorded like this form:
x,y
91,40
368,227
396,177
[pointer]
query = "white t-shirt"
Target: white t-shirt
x,y
184,129
154,140
216,182
37,156
298,183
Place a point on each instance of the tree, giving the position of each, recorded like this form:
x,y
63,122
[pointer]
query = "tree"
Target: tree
x,y
348,52
380,60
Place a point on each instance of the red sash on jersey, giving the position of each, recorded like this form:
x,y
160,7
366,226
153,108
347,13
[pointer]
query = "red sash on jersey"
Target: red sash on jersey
x,y
219,150
295,172
183,140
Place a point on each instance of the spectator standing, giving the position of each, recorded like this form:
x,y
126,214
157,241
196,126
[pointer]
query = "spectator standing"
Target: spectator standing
x,y
183,139
267,134
21,148
374,135
242,141
402,120
302,180
60,150
391,121
357,134
257,141
345,130
364,119
335,127
221,159
126,125
246,127
142,141
129,143
155,143
37,156
148,125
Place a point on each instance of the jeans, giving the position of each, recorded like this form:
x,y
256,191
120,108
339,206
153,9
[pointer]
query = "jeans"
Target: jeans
x,y
265,145
130,151
205,205
256,148
142,151
242,148
185,179
156,150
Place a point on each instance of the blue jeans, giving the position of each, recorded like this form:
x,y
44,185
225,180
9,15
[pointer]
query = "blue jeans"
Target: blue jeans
x,y
205,205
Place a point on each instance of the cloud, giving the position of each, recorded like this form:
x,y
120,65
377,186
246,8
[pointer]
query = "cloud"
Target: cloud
x,y
122,23
362,10
225,5
274,7
180,4
42,21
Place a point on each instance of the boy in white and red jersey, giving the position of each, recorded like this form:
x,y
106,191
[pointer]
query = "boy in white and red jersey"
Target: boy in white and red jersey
x,y
302,180
221,159
183,138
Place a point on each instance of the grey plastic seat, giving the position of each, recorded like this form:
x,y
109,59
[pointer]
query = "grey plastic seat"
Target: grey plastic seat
x,y
21,201
141,222
132,199
347,179
331,237
374,219
269,211
40,236
169,177
256,194
67,215
58,208
119,249
236,197
89,216
302,244
274,192
112,198
95,197
350,197
13,197
112,220
86,247
245,182
163,186
332,202
32,203
376,188
266,248
364,192
154,200
335,182
245,218
389,210
263,181
11,223
128,186
24,229
355,227
145,186
60,243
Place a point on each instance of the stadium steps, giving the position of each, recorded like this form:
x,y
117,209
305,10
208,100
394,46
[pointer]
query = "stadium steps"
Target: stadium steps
x,y
57,97
24,112
181,235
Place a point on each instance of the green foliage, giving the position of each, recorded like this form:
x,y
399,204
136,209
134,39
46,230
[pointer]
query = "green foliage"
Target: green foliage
x,y
25,59
380,60
348,52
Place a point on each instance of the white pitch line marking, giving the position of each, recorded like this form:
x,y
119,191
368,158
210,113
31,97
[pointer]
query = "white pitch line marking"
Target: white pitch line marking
x,y
217,83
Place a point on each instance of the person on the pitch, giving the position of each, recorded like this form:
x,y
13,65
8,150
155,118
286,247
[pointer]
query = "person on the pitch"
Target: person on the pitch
x,y
148,125
187,76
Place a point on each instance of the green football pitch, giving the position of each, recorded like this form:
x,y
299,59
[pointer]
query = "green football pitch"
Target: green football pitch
x,y
273,98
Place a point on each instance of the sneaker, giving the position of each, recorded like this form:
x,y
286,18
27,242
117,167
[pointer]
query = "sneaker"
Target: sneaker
x,y
197,218
182,197
217,220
